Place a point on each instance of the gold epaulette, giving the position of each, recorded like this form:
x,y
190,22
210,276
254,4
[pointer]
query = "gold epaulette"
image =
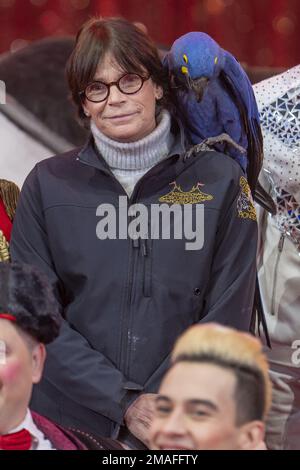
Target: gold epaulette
x,y
9,193
4,248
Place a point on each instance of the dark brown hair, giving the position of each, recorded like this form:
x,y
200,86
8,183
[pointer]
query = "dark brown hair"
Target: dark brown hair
x,y
131,47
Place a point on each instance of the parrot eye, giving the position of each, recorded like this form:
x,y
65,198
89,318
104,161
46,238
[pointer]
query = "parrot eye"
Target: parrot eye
x,y
175,82
185,58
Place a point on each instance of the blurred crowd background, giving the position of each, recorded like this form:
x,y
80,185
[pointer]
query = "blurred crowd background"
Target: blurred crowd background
x,y
257,32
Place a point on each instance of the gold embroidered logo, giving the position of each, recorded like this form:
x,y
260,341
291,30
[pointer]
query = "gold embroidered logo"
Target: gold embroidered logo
x,y
4,248
245,206
177,196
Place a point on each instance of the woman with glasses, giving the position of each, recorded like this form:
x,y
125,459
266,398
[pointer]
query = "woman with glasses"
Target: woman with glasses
x,y
113,226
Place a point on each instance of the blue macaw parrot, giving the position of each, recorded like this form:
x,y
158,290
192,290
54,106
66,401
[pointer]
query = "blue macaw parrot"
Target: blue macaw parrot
x,y
215,100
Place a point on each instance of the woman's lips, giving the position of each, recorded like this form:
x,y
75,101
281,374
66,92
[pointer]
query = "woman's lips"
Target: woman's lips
x,y
122,116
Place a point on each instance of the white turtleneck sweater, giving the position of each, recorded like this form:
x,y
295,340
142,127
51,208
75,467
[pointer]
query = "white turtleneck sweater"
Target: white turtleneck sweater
x,y
130,161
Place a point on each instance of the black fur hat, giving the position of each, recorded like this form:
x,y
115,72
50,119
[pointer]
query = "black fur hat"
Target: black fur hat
x,y
26,295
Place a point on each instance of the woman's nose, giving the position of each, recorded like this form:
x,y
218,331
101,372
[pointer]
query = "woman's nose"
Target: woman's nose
x,y
115,95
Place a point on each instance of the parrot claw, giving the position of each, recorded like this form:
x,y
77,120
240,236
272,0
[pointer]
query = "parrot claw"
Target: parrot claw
x,y
224,138
203,147
207,145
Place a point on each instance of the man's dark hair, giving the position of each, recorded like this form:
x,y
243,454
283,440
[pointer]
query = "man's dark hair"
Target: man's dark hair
x,y
27,295
131,47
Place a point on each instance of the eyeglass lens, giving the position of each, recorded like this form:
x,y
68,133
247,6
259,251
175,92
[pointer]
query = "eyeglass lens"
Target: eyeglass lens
x,y
129,83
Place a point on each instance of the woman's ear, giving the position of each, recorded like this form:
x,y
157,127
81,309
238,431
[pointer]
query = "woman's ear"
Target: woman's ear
x,y
159,93
38,360
251,436
86,112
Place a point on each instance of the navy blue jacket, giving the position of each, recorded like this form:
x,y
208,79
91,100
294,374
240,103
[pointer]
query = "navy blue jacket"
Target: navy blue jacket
x,y
125,302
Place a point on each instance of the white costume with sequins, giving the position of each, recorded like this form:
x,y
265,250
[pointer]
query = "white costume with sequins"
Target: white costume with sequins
x,y
279,254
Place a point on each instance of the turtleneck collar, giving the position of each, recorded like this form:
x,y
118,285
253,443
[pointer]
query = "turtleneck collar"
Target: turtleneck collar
x,y
139,155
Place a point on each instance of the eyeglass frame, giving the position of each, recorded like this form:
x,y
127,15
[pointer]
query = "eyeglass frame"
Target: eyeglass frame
x,y
108,85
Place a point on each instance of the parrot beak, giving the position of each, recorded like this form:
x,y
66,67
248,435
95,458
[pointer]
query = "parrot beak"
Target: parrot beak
x,y
198,86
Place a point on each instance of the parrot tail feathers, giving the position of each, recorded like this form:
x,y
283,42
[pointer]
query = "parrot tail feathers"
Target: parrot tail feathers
x,y
255,153
250,122
264,199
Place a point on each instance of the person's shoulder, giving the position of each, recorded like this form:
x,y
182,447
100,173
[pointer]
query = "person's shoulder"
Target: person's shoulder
x,y
61,160
72,439
60,438
217,165
213,161
55,168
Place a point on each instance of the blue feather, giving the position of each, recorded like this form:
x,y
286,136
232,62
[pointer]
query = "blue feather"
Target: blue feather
x,y
227,104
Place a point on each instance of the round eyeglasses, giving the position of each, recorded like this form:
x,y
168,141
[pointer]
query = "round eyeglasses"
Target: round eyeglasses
x,y
128,84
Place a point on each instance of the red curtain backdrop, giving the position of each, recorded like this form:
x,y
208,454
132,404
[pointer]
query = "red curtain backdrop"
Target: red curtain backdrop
x,y
259,32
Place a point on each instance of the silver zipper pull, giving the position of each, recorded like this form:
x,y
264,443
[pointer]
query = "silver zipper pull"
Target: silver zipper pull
x,y
136,243
281,242
144,247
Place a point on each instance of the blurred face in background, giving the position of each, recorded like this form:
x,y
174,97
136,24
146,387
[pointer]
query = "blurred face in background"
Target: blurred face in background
x,y
195,409
21,365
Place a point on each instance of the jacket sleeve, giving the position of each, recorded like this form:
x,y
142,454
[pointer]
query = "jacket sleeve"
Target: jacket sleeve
x,y
72,365
230,291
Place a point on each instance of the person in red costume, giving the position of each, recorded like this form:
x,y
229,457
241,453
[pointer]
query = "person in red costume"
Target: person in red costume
x,y
30,319
9,193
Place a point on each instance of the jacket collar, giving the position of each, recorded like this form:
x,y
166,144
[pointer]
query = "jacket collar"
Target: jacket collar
x,y
91,156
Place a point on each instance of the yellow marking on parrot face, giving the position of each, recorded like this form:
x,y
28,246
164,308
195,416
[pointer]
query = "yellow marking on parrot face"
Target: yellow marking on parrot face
x,y
216,60
184,70
185,58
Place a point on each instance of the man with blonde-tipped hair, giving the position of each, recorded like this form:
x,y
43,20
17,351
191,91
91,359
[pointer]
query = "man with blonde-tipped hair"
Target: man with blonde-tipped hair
x,y
216,393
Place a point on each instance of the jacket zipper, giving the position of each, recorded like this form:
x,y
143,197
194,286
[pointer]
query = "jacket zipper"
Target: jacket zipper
x,y
125,308
275,278
125,342
146,252
125,339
